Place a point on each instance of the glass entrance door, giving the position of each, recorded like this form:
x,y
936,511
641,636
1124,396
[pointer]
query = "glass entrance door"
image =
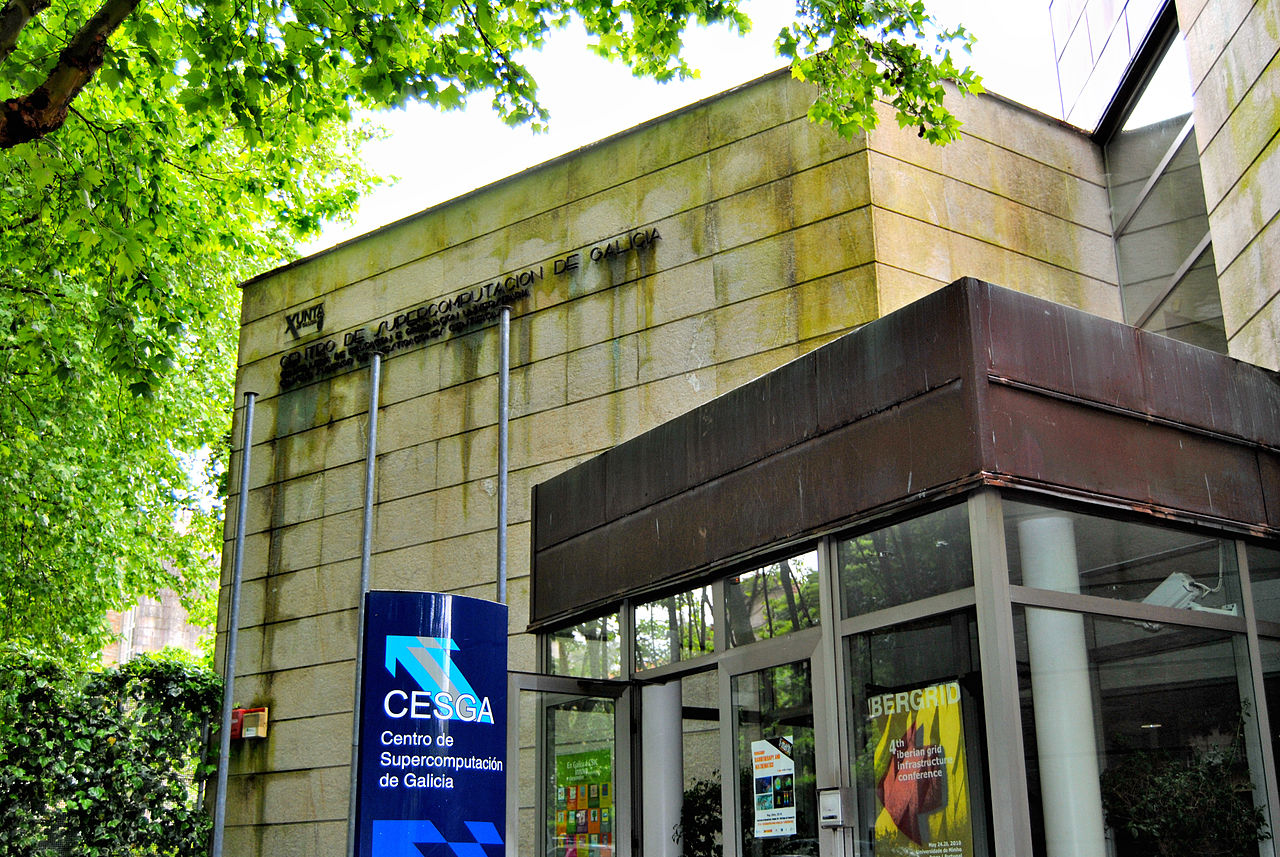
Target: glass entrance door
x,y
776,749
774,755
569,793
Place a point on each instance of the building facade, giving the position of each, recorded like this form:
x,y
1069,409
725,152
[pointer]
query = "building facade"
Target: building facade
x,y
649,276
150,625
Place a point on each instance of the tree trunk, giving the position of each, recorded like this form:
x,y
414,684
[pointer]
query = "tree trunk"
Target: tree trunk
x,y
15,15
45,108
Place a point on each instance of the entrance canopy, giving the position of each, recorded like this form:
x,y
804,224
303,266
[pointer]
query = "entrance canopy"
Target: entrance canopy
x,y
971,385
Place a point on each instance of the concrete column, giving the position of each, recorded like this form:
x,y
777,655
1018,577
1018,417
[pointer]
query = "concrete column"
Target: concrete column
x,y
662,752
1061,694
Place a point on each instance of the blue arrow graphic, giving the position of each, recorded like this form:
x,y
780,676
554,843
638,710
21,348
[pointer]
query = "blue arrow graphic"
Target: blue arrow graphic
x,y
429,661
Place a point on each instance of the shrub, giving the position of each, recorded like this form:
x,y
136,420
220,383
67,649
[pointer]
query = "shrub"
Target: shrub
x,y
106,764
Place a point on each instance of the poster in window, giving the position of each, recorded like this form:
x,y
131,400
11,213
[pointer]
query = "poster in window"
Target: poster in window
x,y
774,769
922,789
584,790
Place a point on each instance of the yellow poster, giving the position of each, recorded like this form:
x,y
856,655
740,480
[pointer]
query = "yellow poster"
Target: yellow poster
x,y
922,789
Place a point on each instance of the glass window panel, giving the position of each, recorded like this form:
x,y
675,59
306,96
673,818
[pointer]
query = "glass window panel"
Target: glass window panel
x,y
531,829
773,720
700,814
1264,579
1075,63
1157,242
1163,228
917,738
680,754
915,559
774,600
1150,258
1132,158
592,649
1064,17
674,628
1270,649
1140,16
1169,223
1138,740
1192,311
1110,57
1089,555
1168,93
1101,17
1176,196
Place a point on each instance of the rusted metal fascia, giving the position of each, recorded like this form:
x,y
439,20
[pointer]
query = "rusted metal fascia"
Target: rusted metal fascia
x,y
1137,509
1094,404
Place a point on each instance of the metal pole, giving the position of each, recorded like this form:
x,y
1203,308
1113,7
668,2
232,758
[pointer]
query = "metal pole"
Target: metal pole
x,y
204,742
370,465
504,407
233,630
366,551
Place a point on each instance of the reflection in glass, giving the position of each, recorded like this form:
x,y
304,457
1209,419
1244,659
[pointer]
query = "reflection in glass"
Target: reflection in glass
x,y
1270,649
1164,289
531,829
591,649
674,628
1156,750
1132,158
580,775
915,559
1264,577
774,600
1089,555
696,724
917,737
1191,311
773,720
1168,281
1151,128
679,739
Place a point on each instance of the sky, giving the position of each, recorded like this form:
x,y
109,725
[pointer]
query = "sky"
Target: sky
x,y
436,156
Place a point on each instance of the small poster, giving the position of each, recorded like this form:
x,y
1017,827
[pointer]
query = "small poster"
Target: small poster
x,y
774,768
922,789
584,804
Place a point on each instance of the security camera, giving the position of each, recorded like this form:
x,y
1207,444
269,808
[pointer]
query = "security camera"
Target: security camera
x,y
1180,592
1177,590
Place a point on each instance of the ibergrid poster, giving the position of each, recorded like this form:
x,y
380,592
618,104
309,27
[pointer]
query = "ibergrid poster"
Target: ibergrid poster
x,y
773,765
433,726
922,793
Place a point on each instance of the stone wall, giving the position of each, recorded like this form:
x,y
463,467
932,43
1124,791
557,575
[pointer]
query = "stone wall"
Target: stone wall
x,y
1021,202
1234,52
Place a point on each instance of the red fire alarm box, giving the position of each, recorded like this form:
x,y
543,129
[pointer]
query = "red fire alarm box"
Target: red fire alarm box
x,y
249,723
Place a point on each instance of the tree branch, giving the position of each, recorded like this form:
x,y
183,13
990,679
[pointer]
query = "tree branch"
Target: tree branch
x,y
15,15
43,111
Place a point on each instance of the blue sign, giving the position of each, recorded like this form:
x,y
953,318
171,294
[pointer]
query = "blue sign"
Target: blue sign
x,y
433,726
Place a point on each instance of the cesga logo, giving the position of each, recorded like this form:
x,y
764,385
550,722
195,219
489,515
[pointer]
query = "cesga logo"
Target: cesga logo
x,y
445,692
